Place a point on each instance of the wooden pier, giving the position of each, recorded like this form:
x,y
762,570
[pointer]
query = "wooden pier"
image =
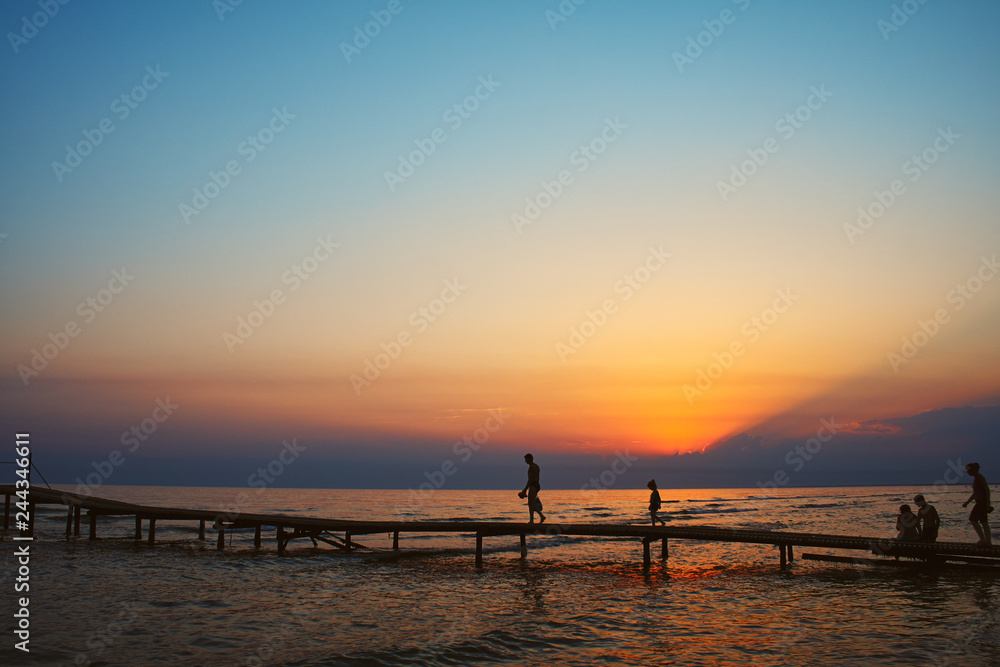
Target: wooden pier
x,y
287,528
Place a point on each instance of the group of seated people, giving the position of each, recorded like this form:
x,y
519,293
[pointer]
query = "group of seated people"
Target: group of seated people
x,y
923,525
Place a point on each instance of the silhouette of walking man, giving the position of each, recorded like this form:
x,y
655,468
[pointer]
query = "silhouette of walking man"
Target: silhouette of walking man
x,y
978,517
531,490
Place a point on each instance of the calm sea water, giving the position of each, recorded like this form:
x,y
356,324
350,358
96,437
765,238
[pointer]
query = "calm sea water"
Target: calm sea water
x,y
575,601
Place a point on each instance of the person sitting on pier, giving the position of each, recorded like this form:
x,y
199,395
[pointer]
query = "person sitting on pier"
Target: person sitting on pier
x,y
654,502
907,524
980,511
531,490
929,519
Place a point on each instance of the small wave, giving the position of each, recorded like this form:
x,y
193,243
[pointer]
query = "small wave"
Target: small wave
x,y
494,646
726,510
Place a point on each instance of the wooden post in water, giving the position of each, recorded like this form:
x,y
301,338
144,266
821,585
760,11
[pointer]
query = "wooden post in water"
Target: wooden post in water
x,y
69,520
93,524
479,550
152,531
77,511
256,537
201,530
395,541
783,556
790,557
138,527
221,544
347,540
645,553
665,554
281,541
524,546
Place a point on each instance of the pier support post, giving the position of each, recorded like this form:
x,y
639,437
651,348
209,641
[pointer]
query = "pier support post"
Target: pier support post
x,y
645,553
395,541
347,540
479,550
221,543
790,557
783,556
152,532
93,524
281,541
77,511
201,530
665,553
138,527
256,537
6,512
69,520
524,546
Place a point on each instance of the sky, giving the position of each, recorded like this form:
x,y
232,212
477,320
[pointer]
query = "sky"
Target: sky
x,y
410,237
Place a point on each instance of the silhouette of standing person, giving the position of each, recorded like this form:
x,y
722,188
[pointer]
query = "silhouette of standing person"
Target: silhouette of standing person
x,y
654,502
930,521
531,490
978,517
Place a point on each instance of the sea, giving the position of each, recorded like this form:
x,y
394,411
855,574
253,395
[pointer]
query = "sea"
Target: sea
x,y
573,601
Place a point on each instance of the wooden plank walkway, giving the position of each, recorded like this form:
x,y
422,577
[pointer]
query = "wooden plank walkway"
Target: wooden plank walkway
x,y
288,528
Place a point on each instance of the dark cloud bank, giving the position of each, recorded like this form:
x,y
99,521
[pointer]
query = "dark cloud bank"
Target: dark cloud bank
x,y
923,449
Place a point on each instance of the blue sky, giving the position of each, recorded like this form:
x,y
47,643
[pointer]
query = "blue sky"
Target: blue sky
x,y
556,85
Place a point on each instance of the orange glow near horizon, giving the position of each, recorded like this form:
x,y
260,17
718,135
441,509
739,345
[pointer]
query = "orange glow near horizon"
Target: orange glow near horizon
x,y
561,407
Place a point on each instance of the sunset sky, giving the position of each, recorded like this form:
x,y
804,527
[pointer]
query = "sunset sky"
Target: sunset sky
x,y
661,227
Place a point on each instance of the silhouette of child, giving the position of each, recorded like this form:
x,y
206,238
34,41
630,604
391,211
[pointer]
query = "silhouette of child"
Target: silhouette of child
x,y
654,502
907,524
